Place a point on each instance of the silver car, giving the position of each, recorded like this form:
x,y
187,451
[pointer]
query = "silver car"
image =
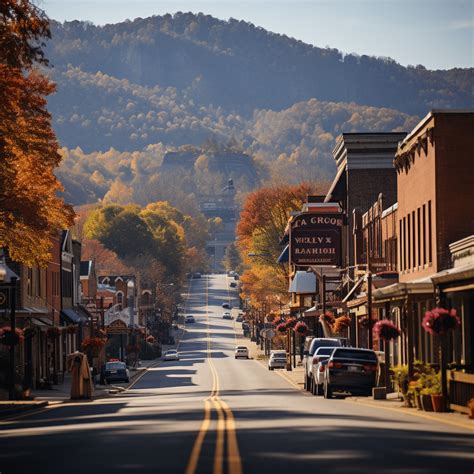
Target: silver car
x,y
171,354
277,361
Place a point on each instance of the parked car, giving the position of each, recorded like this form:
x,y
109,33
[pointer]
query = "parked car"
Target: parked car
x,y
239,318
320,358
226,305
226,315
309,349
277,360
114,371
352,370
241,351
171,354
196,275
189,318
232,284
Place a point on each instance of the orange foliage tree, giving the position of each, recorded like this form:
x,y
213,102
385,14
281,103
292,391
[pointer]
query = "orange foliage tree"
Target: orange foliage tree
x,y
262,224
30,209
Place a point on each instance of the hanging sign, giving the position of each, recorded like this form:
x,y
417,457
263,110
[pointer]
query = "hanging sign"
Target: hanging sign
x,y
315,239
4,298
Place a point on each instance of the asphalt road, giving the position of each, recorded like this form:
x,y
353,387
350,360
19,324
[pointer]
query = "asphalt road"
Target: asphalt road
x,y
209,413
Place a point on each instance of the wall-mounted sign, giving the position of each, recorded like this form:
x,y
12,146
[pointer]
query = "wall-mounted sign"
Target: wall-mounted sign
x,y
315,239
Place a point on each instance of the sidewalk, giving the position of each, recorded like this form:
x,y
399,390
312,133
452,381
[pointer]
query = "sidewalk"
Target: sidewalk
x,y
393,402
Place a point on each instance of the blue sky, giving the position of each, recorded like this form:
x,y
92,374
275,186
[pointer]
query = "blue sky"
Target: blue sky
x,y
436,33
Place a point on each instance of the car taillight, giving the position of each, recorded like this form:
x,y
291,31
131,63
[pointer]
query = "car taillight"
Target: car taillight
x,y
321,368
334,365
370,368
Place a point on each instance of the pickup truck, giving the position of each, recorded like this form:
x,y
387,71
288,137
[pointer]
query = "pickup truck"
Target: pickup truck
x,y
308,353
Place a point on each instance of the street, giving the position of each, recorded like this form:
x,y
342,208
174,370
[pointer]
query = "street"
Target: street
x,y
211,413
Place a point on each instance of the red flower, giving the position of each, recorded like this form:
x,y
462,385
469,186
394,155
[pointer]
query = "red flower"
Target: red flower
x,y
366,323
440,320
281,327
386,330
291,323
301,328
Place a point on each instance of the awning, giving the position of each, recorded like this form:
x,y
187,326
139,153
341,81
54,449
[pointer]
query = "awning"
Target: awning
x,y
401,290
303,283
284,256
462,273
30,310
71,316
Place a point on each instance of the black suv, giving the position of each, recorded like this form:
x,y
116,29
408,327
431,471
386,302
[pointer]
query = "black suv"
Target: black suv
x,y
350,369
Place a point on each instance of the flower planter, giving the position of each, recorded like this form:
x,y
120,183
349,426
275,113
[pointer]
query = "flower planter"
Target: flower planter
x,y
437,402
426,402
418,405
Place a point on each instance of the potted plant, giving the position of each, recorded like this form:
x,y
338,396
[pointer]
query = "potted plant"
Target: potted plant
x,y
426,402
400,378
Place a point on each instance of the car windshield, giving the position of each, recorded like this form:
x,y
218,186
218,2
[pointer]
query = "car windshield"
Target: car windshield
x,y
280,357
355,355
324,351
171,352
114,365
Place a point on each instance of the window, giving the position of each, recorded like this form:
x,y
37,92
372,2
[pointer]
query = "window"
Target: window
x,y
424,234
418,223
119,297
29,282
400,239
413,237
430,235
408,240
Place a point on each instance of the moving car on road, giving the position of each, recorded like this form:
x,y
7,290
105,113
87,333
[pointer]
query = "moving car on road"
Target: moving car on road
x,y
241,351
309,349
226,305
232,284
226,315
114,371
352,370
171,354
239,318
277,360
318,367
189,319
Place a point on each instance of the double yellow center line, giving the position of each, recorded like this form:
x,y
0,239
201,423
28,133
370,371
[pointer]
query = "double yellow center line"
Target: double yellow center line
x,y
225,422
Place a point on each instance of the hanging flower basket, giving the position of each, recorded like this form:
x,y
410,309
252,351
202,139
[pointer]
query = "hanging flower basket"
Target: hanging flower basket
x,y
53,333
341,323
70,329
386,330
327,317
29,333
440,320
291,323
10,338
93,344
150,339
281,328
367,323
301,328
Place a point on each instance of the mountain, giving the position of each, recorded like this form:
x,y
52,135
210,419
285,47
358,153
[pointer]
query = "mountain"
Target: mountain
x,y
129,89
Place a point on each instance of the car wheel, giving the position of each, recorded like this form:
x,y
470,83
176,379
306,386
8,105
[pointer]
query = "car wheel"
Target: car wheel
x,y
327,391
319,390
306,382
314,388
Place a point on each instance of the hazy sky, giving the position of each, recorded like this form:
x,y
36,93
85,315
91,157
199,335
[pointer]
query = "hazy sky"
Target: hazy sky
x,y
436,33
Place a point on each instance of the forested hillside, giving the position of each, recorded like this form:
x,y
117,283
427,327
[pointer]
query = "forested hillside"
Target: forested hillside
x,y
131,92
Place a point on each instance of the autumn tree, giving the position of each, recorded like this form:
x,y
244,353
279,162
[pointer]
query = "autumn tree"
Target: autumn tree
x,y
261,227
232,260
30,209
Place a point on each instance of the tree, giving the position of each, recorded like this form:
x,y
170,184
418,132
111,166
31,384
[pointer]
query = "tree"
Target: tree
x,y
30,210
261,227
232,259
